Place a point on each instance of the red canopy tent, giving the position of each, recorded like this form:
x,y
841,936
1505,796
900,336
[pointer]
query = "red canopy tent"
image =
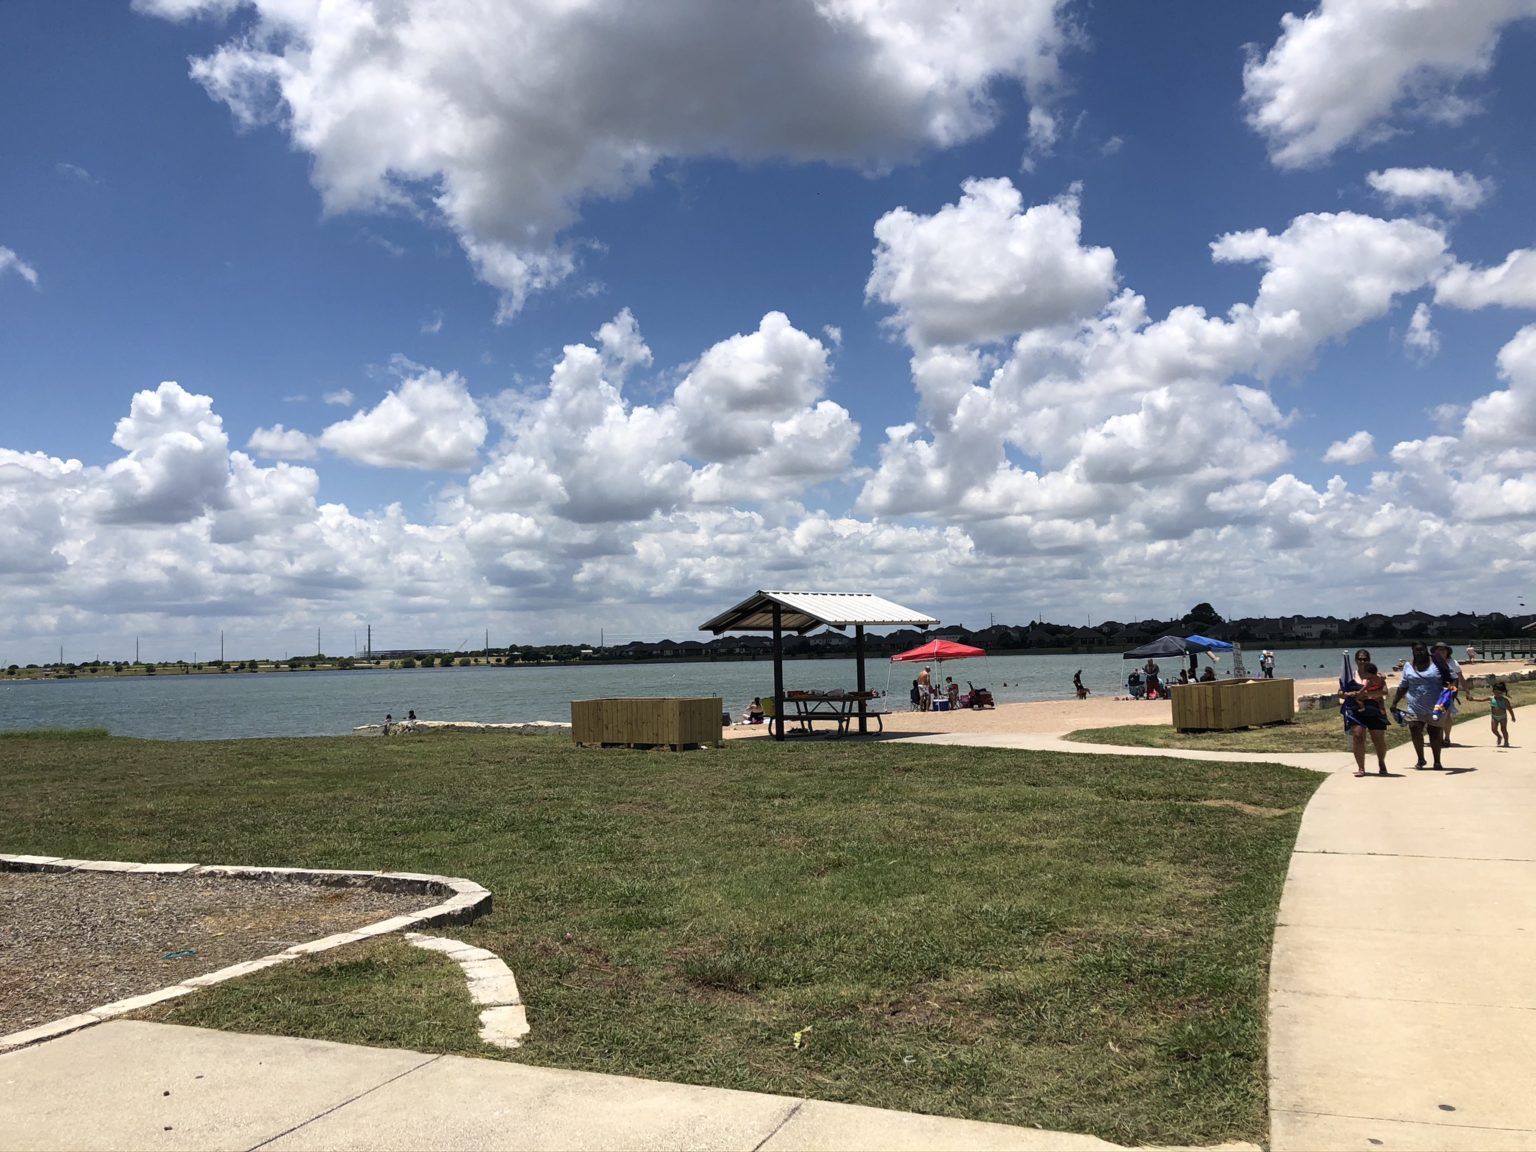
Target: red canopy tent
x,y
938,650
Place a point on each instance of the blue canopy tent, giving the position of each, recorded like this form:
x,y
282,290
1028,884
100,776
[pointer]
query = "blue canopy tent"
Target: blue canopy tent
x,y
1207,644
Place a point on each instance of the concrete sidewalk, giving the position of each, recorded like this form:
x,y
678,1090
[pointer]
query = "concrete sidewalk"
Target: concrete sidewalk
x,y
1403,980
133,1085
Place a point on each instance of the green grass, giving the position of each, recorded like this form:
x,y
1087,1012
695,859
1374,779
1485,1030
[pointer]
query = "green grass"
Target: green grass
x,y
1074,942
1317,731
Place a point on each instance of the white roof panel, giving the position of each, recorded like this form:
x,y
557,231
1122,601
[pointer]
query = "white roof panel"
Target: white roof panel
x,y
802,611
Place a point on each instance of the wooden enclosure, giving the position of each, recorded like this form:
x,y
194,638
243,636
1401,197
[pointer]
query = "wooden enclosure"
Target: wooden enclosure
x,y
1226,704
648,721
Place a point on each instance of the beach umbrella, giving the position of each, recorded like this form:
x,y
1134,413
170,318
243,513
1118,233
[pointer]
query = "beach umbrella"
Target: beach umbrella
x,y
1349,707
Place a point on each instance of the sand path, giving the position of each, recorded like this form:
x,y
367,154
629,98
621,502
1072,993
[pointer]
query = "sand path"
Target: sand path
x,y
1057,717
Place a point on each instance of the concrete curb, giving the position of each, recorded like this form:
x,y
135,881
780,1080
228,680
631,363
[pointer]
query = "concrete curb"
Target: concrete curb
x,y
504,1020
466,901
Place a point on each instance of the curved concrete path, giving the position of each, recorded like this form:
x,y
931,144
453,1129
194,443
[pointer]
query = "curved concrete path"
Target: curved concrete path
x,y
1402,996
1403,981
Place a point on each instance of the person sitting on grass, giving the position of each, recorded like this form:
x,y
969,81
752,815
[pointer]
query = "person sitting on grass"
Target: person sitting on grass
x,y
1501,711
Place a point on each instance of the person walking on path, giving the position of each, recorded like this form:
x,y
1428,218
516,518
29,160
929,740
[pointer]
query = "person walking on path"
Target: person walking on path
x,y
1501,711
1420,684
1366,691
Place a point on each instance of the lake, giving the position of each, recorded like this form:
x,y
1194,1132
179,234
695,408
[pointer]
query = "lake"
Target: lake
x,y
235,705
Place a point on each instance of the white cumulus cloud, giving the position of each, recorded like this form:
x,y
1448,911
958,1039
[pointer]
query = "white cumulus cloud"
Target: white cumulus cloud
x,y
429,422
279,443
1511,284
514,115
986,267
342,397
1347,71
1455,191
1356,450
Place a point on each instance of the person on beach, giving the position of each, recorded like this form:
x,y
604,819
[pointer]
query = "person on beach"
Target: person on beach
x,y
1078,686
924,690
1267,664
1420,685
1501,711
755,711
1208,676
916,697
1471,654
952,693
1369,713
388,722
1133,685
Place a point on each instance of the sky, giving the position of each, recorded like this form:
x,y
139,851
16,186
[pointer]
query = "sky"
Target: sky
x,y
568,319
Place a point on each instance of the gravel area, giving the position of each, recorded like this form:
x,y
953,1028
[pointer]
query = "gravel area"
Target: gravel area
x,y
71,941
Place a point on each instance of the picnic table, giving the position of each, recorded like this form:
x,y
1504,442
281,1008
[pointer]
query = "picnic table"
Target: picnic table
x,y
841,708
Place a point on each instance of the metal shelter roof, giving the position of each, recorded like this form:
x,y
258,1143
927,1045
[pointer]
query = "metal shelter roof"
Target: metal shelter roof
x,y
802,611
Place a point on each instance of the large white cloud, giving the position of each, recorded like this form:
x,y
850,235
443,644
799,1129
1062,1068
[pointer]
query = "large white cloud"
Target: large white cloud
x,y
748,422
509,116
430,422
176,467
1511,284
1328,273
1099,418
986,268
1346,71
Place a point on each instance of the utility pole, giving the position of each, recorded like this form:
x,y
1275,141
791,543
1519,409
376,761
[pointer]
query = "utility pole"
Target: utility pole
x,y
317,643
135,649
369,649
221,645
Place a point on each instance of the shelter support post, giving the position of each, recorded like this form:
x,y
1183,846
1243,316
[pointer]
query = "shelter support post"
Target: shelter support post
x,y
858,659
778,672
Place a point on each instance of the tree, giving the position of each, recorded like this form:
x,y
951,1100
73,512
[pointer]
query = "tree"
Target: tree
x,y
1203,614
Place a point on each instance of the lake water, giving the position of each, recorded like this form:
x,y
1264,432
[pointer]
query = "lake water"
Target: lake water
x,y
234,705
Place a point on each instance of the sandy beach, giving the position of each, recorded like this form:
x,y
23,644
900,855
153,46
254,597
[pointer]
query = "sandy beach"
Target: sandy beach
x,y
1056,717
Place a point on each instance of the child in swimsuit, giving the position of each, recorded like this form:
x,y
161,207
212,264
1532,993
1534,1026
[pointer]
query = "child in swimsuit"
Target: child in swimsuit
x,y
1501,710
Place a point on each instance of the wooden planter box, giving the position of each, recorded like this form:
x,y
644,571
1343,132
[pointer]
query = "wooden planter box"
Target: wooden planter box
x,y
1227,704
648,722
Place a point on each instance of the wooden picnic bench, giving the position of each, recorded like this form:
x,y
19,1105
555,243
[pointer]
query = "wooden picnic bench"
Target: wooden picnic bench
x,y
840,708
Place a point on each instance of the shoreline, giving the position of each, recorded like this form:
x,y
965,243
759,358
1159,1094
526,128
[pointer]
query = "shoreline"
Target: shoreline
x,y
1058,717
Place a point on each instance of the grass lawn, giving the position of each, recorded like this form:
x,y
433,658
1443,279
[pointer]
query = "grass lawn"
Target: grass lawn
x,y
1318,731
1075,942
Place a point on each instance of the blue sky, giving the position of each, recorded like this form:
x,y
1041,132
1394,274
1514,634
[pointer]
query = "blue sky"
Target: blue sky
x,y
542,318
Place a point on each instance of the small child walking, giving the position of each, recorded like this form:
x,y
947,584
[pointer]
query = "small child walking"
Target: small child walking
x,y
1501,711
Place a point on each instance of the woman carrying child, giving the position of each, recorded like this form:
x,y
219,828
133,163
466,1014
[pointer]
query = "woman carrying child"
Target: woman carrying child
x,y
1501,710
1369,713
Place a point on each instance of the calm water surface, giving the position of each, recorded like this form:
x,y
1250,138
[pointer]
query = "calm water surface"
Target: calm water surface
x,y
170,707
